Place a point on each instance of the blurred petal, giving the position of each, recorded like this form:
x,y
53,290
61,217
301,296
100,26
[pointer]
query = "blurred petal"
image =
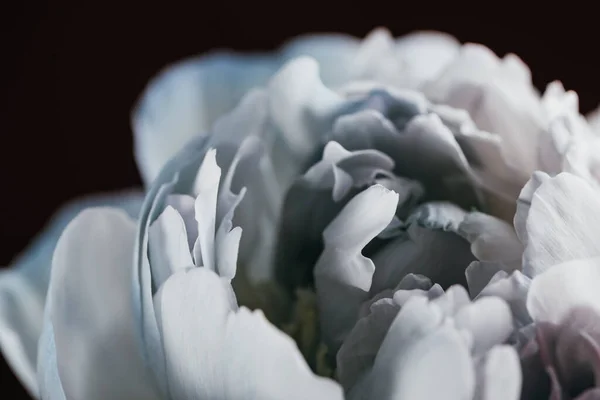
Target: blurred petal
x,y
492,239
562,222
342,274
419,349
513,289
488,319
214,350
499,96
593,119
499,375
23,287
565,286
91,310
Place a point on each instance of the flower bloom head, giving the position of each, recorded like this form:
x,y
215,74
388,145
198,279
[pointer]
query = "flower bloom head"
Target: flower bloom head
x,y
341,219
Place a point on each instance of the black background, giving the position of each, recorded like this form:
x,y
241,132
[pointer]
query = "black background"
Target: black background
x,y
71,75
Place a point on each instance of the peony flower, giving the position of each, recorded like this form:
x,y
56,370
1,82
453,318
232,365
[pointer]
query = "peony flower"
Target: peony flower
x,y
331,221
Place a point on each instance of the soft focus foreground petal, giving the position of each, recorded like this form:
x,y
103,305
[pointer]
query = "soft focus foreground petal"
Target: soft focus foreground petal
x,y
342,274
421,358
23,287
562,224
499,375
91,310
214,350
562,287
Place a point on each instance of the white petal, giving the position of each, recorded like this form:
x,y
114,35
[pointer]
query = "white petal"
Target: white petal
x,y
513,289
206,189
300,105
50,386
594,120
419,350
499,375
23,286
184,205
215,351
342,273
562,224
489,321
555,292
91,309
169,248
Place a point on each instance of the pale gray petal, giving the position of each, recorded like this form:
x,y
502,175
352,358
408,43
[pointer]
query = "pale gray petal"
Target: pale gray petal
x,y
23,286
214,350
91,309
499,375
513,289
419,349
342,274
488,320
169,247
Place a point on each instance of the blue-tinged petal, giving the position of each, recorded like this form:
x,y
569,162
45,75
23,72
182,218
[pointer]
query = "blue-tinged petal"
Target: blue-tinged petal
x,y
50,386
91,312
562,287
215,350
560,223
24,285
342,274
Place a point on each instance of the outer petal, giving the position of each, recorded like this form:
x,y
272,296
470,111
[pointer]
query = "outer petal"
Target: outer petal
x,y
23,287
499,375
91,310
185,100
215,351
555,292
562,224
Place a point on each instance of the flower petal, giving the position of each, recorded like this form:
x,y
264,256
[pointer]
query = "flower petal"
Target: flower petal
x,y
430,228
94,331
419,349
499,375
513,289
214,350
169,248
574,281
562,223
23,286
342,273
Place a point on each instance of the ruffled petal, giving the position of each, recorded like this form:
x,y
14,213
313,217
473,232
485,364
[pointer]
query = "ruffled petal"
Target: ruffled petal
x,y
214,350
432,226
91,310
342,274
417,350
23,287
